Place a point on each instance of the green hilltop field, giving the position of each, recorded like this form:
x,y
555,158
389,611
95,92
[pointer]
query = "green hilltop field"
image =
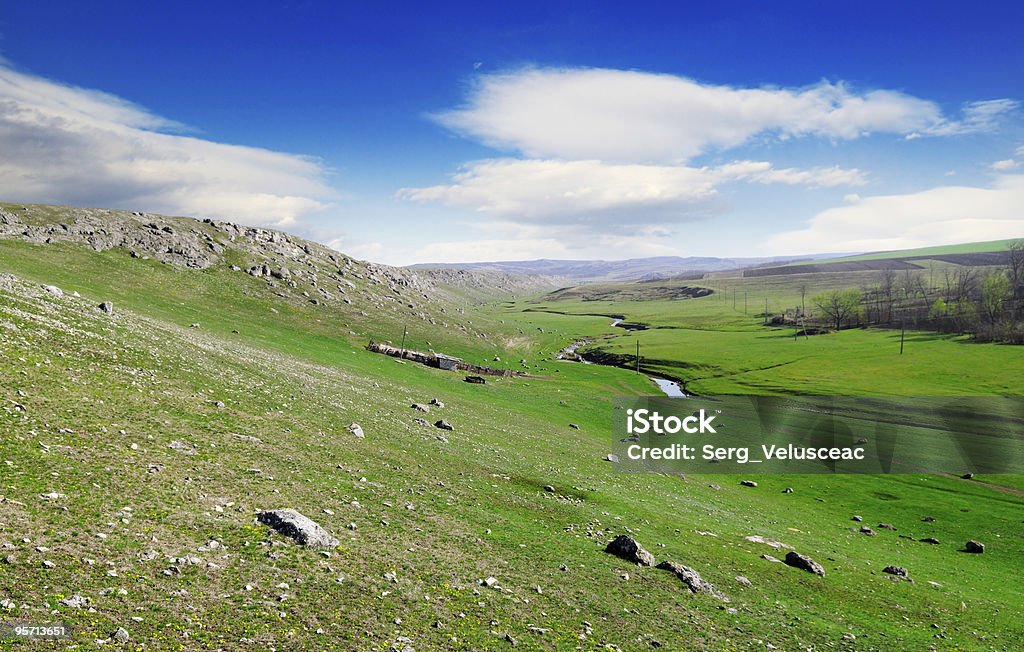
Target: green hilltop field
x,y
137,447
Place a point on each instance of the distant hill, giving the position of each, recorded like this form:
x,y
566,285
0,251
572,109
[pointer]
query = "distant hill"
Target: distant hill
x,y
633,269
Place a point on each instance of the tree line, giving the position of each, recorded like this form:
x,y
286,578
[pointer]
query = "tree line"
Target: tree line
x,y
985,302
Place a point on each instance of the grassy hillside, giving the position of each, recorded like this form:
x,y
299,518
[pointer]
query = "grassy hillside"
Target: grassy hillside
x,y
159,438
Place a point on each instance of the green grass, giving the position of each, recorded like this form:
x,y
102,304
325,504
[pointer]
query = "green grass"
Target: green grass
x,y
295,378
941,250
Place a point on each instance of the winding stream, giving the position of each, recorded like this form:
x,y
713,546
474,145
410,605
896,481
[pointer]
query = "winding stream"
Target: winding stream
x,y
670,387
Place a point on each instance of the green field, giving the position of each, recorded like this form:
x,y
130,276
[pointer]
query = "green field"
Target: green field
x,y
93,404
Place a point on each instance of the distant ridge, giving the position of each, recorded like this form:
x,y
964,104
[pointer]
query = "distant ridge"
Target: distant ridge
x,y
633,269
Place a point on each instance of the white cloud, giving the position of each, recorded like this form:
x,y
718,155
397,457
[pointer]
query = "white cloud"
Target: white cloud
x,y
69,145
594,193
943,215
639,117
1004,165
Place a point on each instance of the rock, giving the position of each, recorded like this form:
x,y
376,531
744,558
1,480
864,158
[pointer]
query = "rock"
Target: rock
x,y
490,582
857,518
107,307
436,403
548,488
627,548
715,486
121,635
740,579
967,476
301,528
443,425
898,571
778,545
420,407
611,457
974,547
868,531
54,290
476,380
690,578
421,422
787,490
182,447
748,483
194,325
356,430
886,526
928,519
574,426
771,559
75,602
930,540
803,562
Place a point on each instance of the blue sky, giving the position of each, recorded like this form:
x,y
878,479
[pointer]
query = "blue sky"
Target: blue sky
x,y
409,133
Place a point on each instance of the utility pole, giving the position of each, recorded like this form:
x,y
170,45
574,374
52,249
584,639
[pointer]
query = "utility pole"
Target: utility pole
x,y
638,356
405,331
901,337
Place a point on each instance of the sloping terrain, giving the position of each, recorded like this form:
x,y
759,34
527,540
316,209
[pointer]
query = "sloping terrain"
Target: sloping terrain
x,y
136,451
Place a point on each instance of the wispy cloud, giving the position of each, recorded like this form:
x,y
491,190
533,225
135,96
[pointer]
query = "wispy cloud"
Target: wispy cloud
x,y
943,215
70,145
630,116
594,193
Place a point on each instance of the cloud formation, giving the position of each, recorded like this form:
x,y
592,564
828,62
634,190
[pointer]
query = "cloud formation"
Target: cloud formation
x,y
69,145
639,117
596,193
943,215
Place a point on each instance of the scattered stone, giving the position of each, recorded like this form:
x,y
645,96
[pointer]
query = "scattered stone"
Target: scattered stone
x,y
931,540
574,426
476,380
420,407
740,579
748,483
53,495
54,290
928,519
627,548
193,326
898,571
76,602
443,425
107,307
715,486
974,547
886,526
182,447
436,403
301,528
778,545
803,562
248,438
857,518
490,582
121,635
690,578
548,488
967,476
868,531
611,457
356,430
787,490
771,559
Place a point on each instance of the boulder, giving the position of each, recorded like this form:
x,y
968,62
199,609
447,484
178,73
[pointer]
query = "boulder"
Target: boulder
x,y
356,430
107,307
898,571
974,547
803,562
748,483
627,548
443,425
690,578
303,529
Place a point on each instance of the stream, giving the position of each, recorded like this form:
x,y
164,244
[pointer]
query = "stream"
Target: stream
x,y
670,387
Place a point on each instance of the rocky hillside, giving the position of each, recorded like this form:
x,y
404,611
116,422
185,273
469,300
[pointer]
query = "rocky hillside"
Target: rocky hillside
x,y
289,264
